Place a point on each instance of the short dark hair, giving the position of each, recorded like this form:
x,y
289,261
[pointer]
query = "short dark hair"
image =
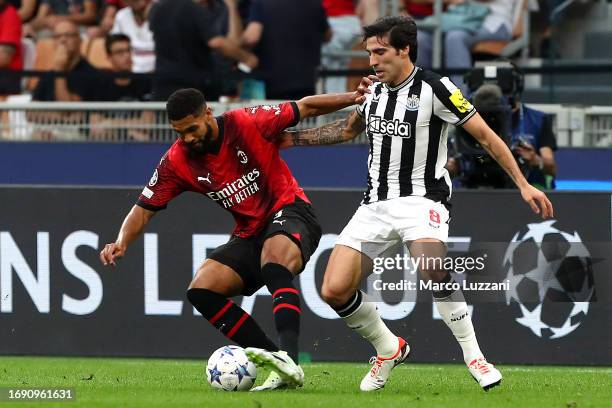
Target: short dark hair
x,y
113,38
402,32
185,102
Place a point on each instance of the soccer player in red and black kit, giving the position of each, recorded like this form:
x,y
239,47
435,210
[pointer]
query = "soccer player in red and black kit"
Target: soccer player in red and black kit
x,y
234,160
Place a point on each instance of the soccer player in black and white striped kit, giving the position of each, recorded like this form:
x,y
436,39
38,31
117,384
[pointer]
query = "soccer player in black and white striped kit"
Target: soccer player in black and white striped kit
x,y
406,116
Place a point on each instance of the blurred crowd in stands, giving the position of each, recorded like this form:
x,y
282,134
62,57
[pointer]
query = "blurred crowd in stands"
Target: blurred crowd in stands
x,y
207,44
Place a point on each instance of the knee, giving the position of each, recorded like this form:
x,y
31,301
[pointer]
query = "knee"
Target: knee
x,y
334,295
456,37
291,261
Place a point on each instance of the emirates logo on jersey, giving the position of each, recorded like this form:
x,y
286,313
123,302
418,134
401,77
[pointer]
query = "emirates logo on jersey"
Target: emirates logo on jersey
x,y
395,127
238,190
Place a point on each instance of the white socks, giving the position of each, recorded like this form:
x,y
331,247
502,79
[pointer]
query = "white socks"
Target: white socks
x,y
365,320
454,311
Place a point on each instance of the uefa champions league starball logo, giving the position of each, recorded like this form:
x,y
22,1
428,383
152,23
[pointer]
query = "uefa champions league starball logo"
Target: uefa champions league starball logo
x,y
551,279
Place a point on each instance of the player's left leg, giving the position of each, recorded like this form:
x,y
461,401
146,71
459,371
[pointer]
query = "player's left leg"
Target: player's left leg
x,y
454,311
281,261
291,237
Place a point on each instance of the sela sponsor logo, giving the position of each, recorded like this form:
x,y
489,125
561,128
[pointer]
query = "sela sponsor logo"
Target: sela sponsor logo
x,y
395,127
206,179
154,178
412,103
238,190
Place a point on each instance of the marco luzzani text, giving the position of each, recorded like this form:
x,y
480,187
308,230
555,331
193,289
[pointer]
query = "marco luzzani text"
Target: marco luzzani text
x,y
412,264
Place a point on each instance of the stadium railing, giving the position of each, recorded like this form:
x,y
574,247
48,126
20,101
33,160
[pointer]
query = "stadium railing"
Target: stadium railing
x,y
116,122
107,121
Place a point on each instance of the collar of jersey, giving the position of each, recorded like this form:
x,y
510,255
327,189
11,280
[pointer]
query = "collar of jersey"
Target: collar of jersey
x,y
405,82
216,148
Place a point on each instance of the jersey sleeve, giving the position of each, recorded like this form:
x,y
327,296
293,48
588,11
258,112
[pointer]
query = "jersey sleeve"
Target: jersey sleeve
x,y
273,119
449,104
163,186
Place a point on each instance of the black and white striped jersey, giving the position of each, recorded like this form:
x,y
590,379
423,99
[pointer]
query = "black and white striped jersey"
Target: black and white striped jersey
x,y
407,129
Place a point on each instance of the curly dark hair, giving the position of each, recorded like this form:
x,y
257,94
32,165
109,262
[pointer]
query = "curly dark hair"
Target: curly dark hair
x,y
402,32
185,102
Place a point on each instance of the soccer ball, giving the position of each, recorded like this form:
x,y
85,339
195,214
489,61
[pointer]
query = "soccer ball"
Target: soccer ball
x,y
551,279
229,369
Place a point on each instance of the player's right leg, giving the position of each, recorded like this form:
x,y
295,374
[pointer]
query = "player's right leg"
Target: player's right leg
x,y
343,275
209,291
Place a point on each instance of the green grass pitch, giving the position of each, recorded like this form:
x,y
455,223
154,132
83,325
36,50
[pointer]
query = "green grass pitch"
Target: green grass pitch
x,y
101,382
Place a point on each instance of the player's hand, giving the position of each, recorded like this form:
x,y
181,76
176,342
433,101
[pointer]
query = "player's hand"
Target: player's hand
x,y
537,200
363,88
111,253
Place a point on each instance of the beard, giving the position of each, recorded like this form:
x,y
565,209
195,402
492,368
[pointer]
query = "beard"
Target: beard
x,y
204,145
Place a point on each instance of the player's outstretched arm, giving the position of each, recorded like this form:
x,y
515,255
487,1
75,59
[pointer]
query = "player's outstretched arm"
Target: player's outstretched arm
x,y
133,225
339,131
495,146
316,105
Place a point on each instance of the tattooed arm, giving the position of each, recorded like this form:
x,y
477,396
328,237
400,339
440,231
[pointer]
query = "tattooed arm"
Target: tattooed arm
x,y
335,132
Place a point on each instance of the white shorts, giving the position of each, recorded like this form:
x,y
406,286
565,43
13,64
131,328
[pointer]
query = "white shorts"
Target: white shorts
x,y
378,226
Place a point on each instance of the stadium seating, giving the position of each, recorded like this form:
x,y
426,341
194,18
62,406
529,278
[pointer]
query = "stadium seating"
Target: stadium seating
x,y
520,36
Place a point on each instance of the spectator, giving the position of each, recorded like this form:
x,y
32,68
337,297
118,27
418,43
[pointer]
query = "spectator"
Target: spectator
x,y
11,54
26,9
133,22
77,86
184,56
497,26
122,125
126,89
368,11
534,141
108,19
228,22
420,9
50,12
346,30
288,37
458,43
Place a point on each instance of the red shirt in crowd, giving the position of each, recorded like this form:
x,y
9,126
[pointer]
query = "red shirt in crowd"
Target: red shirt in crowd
x,y
10,34
337,8
246,175
418,11
116,3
